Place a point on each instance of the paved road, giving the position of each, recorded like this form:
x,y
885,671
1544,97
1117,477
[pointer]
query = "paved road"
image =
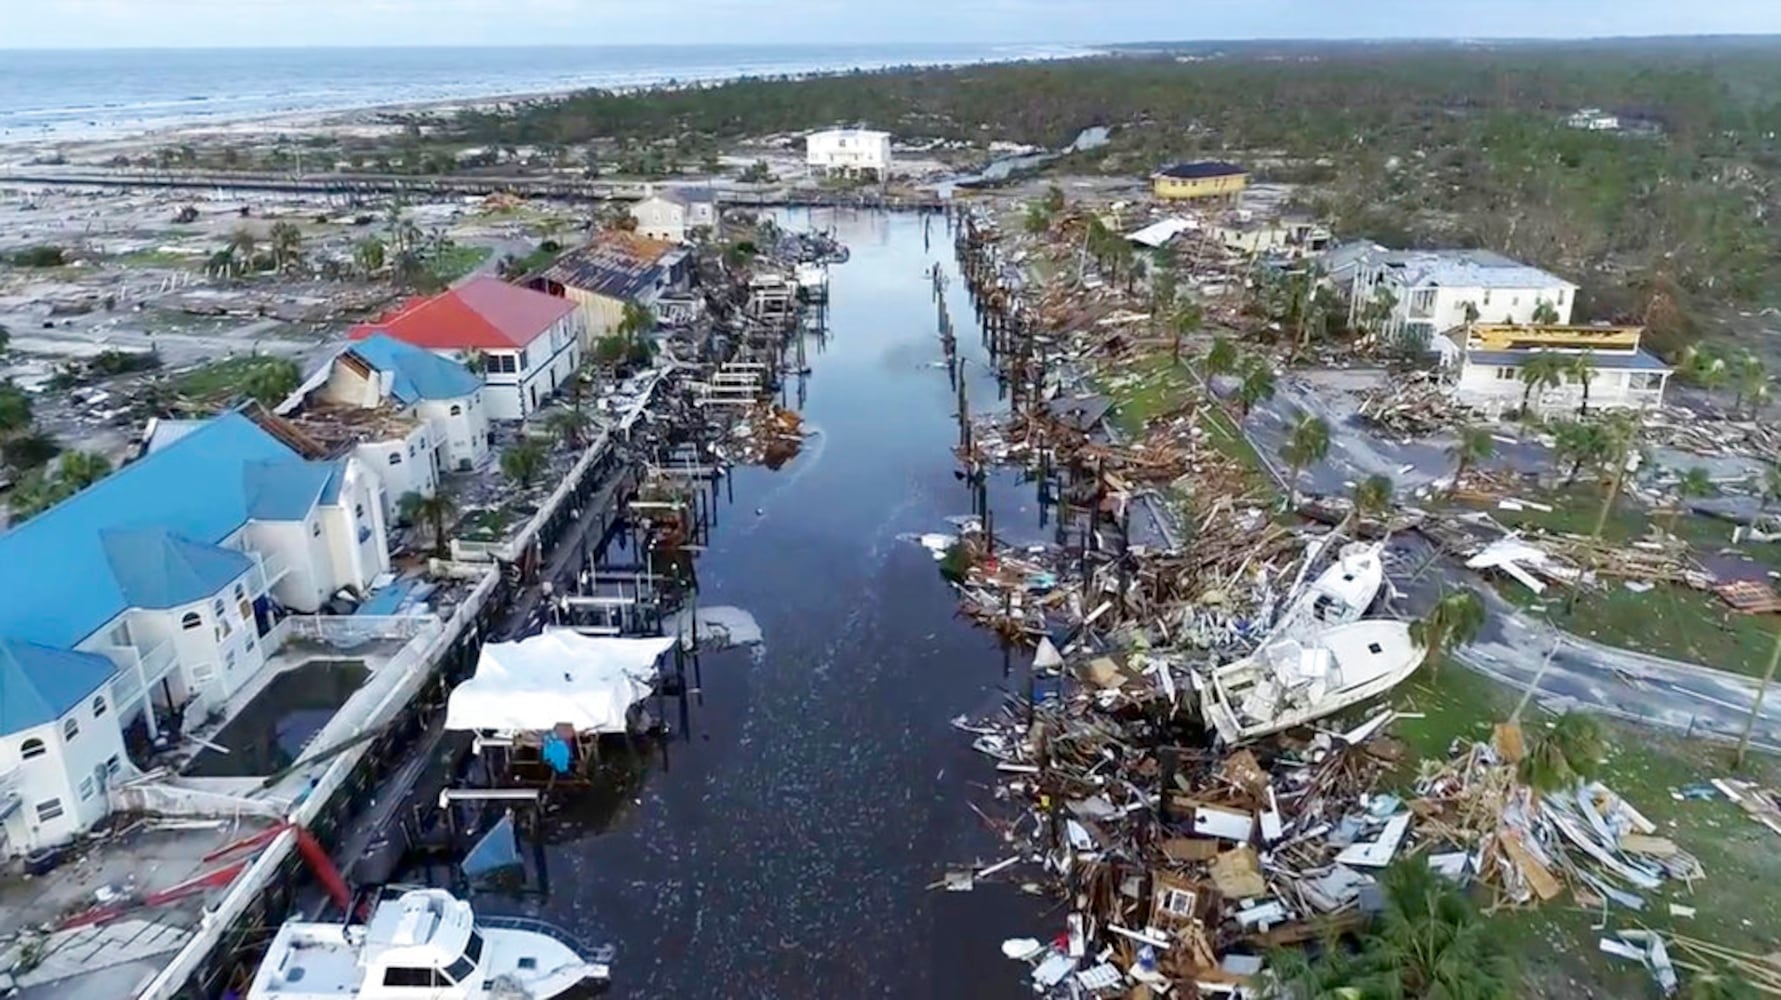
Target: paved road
x,y
1681,696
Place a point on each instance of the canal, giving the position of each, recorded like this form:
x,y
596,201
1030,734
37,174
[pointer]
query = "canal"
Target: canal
x,y
783,844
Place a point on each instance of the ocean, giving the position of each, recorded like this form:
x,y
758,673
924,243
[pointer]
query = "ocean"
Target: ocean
x,y
68,94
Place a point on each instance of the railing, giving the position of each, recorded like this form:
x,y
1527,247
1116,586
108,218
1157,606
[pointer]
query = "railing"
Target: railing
x,y
273,568
137,671
346,631
533,925
11,791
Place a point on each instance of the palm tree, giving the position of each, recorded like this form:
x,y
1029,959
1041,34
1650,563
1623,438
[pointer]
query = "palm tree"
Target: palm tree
x,y
434,511
271,381
15,409
1454,621
1579,443
1186,322
1378,311
287,245
1563,753
569,426
369,255
635,321
1372,497
1306,444
1544,370
242,242
1473,445
524,461
1620,436
1696,482
1471,309
81,469
1257,385
34,493
1751,380
223,264
1221,359
1581,368
1545,313
1428,941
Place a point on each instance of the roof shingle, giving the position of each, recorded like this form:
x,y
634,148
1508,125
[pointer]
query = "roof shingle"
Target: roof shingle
x,y
483,313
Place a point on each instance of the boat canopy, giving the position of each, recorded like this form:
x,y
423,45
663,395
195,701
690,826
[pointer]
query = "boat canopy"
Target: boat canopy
x,y
555,678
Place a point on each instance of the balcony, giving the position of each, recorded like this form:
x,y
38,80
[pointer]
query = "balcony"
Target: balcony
x,y
138,671
273,568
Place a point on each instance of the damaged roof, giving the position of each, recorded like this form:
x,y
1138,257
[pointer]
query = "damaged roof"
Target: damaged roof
x,y
618,265
484,313
1200,169
415,374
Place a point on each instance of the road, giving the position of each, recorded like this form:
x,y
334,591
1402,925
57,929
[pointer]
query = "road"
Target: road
x,y
1680,696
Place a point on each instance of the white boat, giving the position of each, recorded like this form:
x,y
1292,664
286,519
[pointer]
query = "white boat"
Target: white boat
x,y
1342,593
425,943
1291,681
813,281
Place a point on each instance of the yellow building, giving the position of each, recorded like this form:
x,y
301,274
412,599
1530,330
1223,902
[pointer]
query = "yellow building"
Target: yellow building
x,y
1200,179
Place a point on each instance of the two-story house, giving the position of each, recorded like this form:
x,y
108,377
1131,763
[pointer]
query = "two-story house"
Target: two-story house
x,y
1433,292
528,344
611,271
410,415
675,214
161,585
852,152
1606,362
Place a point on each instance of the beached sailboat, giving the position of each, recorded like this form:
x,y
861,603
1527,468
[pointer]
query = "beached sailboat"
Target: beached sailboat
x,y
425,943
1291,681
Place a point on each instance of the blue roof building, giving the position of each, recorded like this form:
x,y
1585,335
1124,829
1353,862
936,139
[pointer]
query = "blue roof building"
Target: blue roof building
x,y
416,374
39,684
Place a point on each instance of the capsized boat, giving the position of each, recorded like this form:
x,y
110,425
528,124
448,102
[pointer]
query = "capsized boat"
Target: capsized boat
x,y
1342,593
1292,681
426,943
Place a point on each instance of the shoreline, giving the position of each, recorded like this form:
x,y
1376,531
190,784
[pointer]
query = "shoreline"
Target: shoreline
x,y
344,119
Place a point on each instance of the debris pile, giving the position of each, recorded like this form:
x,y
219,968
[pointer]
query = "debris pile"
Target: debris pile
x,y
1414,405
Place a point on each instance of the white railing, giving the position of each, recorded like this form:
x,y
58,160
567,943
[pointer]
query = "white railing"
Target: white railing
x,y
159,662
273,568
12,793
346,631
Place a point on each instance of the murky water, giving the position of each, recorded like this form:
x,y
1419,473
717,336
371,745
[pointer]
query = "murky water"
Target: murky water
x,y
784,848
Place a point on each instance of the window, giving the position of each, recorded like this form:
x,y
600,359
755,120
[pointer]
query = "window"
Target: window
x,y
240,592
86,788
315,530
32,747
1645,381
247,610
358,510
1177,902
1561,296
190,620
48,809
70,729
1487,296
98,706
466,963
229,660
1375,648
119,636
113,765
525,360
395,458
216,607
401,975
456,410
1507,374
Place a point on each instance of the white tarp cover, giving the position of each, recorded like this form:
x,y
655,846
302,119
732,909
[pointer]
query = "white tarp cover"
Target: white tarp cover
x,y
558,676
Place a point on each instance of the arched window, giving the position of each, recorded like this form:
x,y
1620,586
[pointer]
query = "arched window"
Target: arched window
x,y
190,620
70,729
395,458
216,607
240,592
32,747
456,410
98,706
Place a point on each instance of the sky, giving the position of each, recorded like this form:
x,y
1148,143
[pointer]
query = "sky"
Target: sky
x,y
242,23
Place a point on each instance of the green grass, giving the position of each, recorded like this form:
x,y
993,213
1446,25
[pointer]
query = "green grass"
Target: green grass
x,y
1146,389
486,525
1556,941
1670,619
220,379
456,261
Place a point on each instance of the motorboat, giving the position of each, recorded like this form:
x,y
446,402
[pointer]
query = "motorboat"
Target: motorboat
x,y
1292,681
1342,593
426,943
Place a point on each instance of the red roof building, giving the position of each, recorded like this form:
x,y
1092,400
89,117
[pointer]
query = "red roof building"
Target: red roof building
x,y
529,343
482,314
